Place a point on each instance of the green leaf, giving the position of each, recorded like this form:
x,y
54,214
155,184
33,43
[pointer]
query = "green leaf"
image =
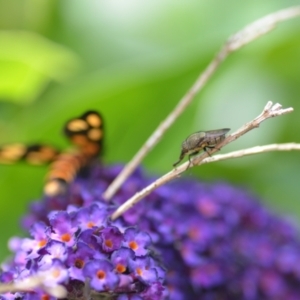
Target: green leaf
x,y
28,62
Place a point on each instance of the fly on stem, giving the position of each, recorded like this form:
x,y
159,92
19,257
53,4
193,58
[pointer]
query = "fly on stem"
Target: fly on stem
x,y
201,140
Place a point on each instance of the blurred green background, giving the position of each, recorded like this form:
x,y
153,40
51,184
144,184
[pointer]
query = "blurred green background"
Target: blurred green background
x,y
133,60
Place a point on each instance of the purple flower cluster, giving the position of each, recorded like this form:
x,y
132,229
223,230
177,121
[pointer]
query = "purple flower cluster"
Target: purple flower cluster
x,y
216,241
80,244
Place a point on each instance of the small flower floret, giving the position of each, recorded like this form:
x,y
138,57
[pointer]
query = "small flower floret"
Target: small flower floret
x,y
62,228
111,238
102,275
137,241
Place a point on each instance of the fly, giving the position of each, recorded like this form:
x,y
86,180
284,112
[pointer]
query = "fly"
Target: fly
x,y
201,140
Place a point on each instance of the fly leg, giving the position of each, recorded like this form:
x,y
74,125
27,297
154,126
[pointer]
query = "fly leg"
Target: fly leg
x,y
209,147
177,162
180,159
190,156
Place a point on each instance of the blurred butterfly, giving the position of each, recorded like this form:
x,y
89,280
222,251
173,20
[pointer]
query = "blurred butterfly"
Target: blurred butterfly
x,y
85,132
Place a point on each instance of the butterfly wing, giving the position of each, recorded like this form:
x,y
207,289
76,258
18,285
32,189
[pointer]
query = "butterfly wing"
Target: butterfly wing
x,y
35,154
86,132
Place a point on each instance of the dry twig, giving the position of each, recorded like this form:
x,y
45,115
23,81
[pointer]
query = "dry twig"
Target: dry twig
x,y
235,42
269,111
251,151
34,282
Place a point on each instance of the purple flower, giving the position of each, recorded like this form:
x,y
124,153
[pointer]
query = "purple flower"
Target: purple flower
x,y
111,238
54,274
91,216
40,234
62,228
137,241
89,238
155,291
215,240
7,277
11,296
77,259
141,268
67,251
120,259
54,250
103,277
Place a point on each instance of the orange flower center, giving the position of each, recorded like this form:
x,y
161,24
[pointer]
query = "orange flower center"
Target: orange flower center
x,y
66,237
79,263
55,273
42,243
120,268
193,233
90,224
108,243
133,245
101,274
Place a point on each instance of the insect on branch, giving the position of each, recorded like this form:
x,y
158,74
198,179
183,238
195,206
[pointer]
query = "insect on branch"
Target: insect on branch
x,y
241,38
269,111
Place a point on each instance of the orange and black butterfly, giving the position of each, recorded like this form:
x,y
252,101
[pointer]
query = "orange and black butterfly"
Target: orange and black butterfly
x,y
85,132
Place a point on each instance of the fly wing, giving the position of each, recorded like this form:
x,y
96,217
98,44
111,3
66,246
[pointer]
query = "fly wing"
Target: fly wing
x,y
194,141
217,132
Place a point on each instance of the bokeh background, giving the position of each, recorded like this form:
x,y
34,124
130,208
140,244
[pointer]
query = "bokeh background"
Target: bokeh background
x,y
133,60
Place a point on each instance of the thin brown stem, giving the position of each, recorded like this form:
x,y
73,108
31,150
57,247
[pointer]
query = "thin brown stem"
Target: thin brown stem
x,y
34,282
